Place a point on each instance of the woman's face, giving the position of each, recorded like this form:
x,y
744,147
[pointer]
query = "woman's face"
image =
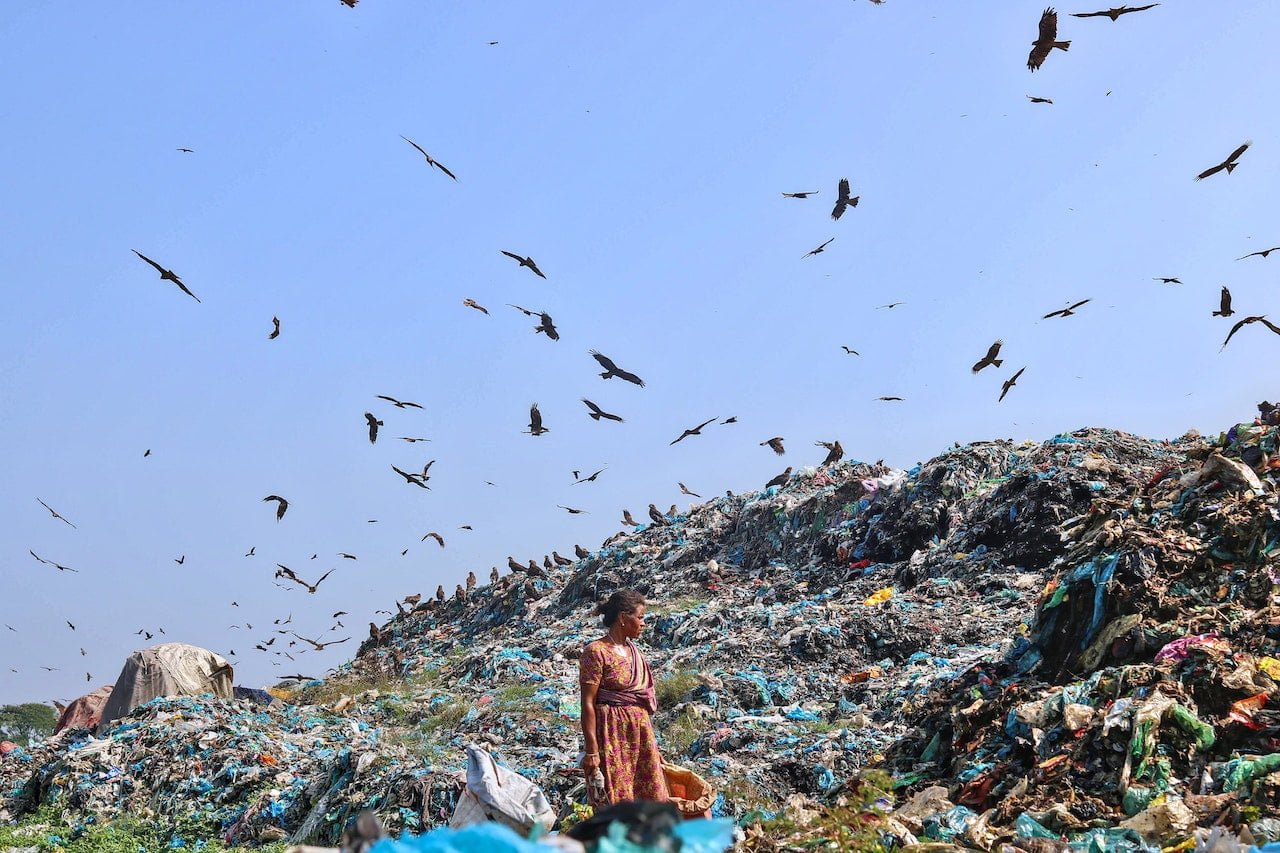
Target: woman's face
x,y
632,623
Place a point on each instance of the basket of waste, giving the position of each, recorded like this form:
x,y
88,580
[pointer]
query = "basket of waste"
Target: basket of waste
x,y
692,794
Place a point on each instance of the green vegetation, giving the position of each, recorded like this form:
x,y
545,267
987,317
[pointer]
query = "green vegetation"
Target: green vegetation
x,y
514,694
672,688
852,827
26,723
47,832
444,716
679,734
682,604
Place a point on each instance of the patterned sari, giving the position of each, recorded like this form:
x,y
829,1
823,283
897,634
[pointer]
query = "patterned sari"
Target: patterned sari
x,y
625,699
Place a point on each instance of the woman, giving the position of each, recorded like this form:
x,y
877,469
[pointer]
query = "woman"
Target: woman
x,y
618,699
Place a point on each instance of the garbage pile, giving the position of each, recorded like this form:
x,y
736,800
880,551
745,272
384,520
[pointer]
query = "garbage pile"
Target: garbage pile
x,y
1036,639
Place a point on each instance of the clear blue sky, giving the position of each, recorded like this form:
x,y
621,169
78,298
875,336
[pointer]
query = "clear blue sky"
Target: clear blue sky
x,y
638,154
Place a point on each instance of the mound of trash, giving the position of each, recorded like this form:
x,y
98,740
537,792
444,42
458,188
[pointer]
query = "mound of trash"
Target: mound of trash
x,y
1070,642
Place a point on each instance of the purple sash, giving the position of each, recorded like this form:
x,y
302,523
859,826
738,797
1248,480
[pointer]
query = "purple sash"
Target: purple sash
x,y
640,693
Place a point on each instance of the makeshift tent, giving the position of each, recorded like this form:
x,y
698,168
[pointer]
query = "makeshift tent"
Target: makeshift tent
x,y
84,712
170,669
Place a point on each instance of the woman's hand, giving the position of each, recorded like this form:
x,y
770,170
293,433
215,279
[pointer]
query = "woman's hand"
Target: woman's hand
x,y
590,763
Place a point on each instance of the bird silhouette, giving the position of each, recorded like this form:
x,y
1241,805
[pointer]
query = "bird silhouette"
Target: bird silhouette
x,y
546,327
1115,12
56,514
374,423
471,303
571,510
1009,383
57,566
834,452
399,404
774,444
611,370
431,161
535,422
684,490
275,330
167,275
1171,279
1037,100
1262,254
526,262
412,479
818,250
1247,321
848,351
990,360
319,646
1065,312
805,194
1224,304
597,413
1046,41
695,431
843,201
1229,164
436,536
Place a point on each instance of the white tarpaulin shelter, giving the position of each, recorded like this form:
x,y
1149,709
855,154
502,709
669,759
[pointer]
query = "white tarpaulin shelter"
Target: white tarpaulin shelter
x,y
170,669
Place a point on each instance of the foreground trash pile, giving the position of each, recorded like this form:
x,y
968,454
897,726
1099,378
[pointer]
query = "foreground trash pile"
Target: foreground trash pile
x,y
1039,642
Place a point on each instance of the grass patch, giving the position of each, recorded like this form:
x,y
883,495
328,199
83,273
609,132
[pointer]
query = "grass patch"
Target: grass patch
x,y
674,605
514,694
46,831
445,716
852,826
332,691
672,688
679,734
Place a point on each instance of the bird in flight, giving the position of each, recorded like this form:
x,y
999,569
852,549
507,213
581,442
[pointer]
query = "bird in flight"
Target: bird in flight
x,y
1046,41
275,331
431,161
282,505
732,419
399,404
1115,12
1065,312
414,479
611,370
1171,279
684,490
591,479
1009,383
1224,304
436,536
1246,321
597,413
525,262
374,423
890,305
889,399
412,439
990,358
627,519
167,275
286,572
1261,254
848,351
181,560
1036,100
471,303
816,251
1229,164
834,452
774,444
546,326
57,566
535,421
318,645
186,150
695,431
843,201
805,194
571,510
55,513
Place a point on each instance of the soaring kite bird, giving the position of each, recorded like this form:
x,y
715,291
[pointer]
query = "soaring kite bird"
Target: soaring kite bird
x,y
1065,312
374,423
54,512
1035,100
1246,321
535,421
1261,254
471,303
1047,41
597,413
816,251
1229,164
414,479
834,451
774,444
399,404
1114,13
800,195
684,490
167,275
546,326
431,161
282,505
525,262
275,332
1009,383
1171,279
990,358
611,370
695,431
436,536
843,200
1224,304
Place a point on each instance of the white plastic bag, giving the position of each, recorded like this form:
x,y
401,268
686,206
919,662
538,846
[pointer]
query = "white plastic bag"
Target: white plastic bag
x,y
500,794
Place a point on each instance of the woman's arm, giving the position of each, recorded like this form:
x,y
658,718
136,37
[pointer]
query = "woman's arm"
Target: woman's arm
x,y
591,750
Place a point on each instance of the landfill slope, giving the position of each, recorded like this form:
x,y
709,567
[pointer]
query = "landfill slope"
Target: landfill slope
x,y
857,616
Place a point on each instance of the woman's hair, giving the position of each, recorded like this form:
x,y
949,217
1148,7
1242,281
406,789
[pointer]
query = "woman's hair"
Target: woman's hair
x,y
622,601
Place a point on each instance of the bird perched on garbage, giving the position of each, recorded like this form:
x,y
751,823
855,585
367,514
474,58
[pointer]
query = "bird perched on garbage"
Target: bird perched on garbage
x,y
843,201
684,490
1229,164
817,250
805,194
440,592
990,360
471,303
656,515
611,369
374,423
436,536
559,560
275,331
774,444
597,413
673,512
375,634
1115,12
534,570
834,452
526,262
535,422
459,594
1037,100
1224,304
431,161
55,513
494,575
627,519
1065,312
412,600
1247,321
1046,41
282,505
167,275
1262,254
695,431
781,479
513,565
547,564
1009,383
366,830
580,552
471,581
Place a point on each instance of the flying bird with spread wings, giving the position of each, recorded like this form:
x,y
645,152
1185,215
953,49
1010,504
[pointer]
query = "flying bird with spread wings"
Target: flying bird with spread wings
x,y
535,421
431,161
591,479
805,194
1035,100
571,510
1262,254
282,505
57,566
436,536
611,370
167,275
1229,164
685,490
597,413
695,431
843,201
1115,12
399,404
834,452
1046,41
774,444
286,572
412,479
1247,321
1224,304
1009,383
1163,279
525,262
471,303
1065,312
627,519
848,351
374,423
319,646
275,331
546,327
817,250
990,359
55,513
